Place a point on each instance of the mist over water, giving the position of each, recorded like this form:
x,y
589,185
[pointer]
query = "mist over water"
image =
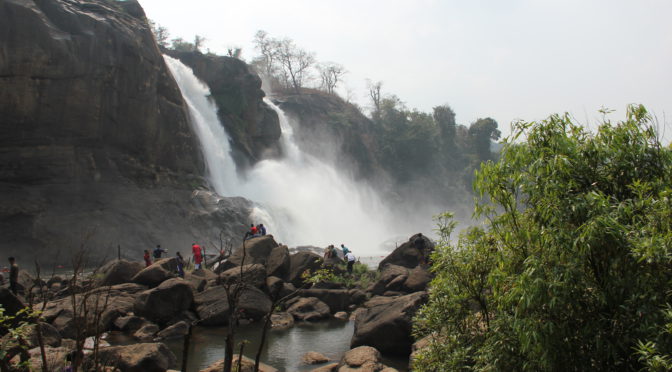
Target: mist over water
x,y
301,199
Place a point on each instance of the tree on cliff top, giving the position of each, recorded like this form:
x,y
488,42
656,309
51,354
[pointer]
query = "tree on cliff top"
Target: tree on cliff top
x,y
572,270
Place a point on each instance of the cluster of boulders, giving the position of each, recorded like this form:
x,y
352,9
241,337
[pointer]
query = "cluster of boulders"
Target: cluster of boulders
x,y
152,304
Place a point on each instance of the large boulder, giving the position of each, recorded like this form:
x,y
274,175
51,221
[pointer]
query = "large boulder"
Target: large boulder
x,y
388,326
361,359
336,299
257,251
118,272
417,280
105,305
299,263
246,365
253,274
162,303
157,273
177,330
212,305
278,263
50,335
308,309
144,357
388,274
10,302
409,254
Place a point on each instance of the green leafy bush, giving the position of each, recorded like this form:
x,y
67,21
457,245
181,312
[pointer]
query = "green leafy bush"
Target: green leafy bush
x,y
572,269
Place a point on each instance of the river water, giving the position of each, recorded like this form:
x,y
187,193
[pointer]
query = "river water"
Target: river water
x,y
283,350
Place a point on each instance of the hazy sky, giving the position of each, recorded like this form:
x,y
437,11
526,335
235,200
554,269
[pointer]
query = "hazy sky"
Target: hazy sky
x,y
515,59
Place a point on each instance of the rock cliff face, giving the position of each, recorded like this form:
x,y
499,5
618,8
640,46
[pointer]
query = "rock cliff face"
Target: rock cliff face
x,y
253,125
95,143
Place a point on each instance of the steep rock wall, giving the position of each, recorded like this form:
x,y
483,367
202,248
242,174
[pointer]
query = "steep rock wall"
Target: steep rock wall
x,y
95,144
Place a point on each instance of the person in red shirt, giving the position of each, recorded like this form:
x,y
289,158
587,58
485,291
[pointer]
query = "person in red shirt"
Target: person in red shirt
x,y
148,260
253,230
198,258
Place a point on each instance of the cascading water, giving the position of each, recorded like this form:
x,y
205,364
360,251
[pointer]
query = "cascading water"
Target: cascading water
x,y
301,200
214,140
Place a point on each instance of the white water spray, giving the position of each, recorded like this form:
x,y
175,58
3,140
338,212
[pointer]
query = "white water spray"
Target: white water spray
x,y
302,200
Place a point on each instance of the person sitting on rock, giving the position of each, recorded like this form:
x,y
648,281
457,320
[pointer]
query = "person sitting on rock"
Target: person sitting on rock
x,y
329,252
262,229
148,260
158,251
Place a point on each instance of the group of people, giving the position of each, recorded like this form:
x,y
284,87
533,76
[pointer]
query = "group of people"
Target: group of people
x,y
255,231
196,250
347,255
13,276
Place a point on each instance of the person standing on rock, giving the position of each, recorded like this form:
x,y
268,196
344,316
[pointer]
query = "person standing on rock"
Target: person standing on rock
x,y
180,264
158,251
148,260
13,276
351,261
345,249
198,257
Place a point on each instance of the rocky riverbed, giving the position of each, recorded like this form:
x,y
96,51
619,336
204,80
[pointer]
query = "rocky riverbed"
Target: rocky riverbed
x,y
150,306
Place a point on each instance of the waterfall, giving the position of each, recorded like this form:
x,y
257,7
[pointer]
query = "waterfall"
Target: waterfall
x,y
301,199
221,170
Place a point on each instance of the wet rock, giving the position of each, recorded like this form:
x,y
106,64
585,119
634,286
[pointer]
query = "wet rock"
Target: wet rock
x,y
162,303
388,326
313,357
282,320
308,309
143,357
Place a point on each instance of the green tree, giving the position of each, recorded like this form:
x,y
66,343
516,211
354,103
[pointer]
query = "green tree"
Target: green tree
x,y
444,117
575,253
482,132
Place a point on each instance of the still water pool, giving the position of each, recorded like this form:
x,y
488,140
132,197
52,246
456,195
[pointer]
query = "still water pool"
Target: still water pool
x,y
284,349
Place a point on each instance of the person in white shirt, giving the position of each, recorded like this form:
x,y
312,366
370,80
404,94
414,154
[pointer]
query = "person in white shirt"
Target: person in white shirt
x,y
351,261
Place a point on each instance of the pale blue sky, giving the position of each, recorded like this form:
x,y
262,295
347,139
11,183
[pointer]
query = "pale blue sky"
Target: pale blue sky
x,y
519,59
